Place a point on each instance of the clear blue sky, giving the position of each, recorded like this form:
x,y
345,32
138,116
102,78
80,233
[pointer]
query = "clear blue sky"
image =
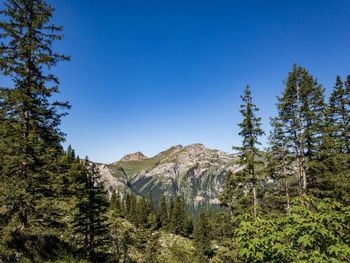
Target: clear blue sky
x,y
146,75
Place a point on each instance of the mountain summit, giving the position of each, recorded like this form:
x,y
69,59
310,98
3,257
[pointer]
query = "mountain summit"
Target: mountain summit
x,y
134,157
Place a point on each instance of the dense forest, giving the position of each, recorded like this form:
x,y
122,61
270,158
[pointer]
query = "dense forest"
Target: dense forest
x,y
290,202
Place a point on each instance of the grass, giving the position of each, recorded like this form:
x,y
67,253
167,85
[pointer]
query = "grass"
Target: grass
x,y
131,168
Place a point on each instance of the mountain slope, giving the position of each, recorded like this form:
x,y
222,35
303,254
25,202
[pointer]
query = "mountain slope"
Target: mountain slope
x,y
194,171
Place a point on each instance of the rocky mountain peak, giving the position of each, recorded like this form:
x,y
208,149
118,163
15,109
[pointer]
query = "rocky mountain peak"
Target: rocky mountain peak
x,y
193,171
177,147
196,147
134,157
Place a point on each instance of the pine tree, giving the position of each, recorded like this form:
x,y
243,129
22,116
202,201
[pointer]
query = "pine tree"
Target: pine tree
x,y
122,238
130,207
142,212
201,237
221,225
339,109
70,152
91,224
279,166
347,96
152,248
332,162
70,175
163,212
30,137
301,111
330,142
188,226
250,131
116,203
116,236
347,89
178,216
234,196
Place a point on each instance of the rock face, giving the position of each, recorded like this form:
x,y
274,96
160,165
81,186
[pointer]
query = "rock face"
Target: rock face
x,y
194,171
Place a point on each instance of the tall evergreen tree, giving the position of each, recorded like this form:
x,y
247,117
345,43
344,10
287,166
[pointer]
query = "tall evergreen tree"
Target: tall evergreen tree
x,y
122,238
339,111
130,207
163,211
347,96
178,216
234,195
30,136
330,142
70,174
91,224
279,164
250,131
347,88
202,237
142,212
301,111
116,203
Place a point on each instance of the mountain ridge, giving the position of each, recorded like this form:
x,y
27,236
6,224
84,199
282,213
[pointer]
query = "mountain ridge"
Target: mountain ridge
x,y
195,172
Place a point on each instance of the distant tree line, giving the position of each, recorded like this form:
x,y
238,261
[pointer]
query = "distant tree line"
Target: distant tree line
x,y
170,215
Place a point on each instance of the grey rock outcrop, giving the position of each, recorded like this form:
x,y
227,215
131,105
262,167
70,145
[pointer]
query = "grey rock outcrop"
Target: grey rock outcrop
x,y
194,171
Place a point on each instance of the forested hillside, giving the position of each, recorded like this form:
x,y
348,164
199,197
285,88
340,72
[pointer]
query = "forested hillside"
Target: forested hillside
x,y
289,202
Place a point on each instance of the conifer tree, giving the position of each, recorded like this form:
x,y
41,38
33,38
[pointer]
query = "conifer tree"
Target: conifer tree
x,y
115,202
142,212
234,196
201,237
30,135
301,111
116,236
330,142
279,163
177,220
163,211
91,224
171,214
347,89
347,96
339,111
332,162
70,175
70,152
250,131
123,236
130,207
152,248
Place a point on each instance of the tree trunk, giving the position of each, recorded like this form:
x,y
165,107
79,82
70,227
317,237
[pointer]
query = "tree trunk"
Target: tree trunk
x,y
287,194
255,203
301,158
125,253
